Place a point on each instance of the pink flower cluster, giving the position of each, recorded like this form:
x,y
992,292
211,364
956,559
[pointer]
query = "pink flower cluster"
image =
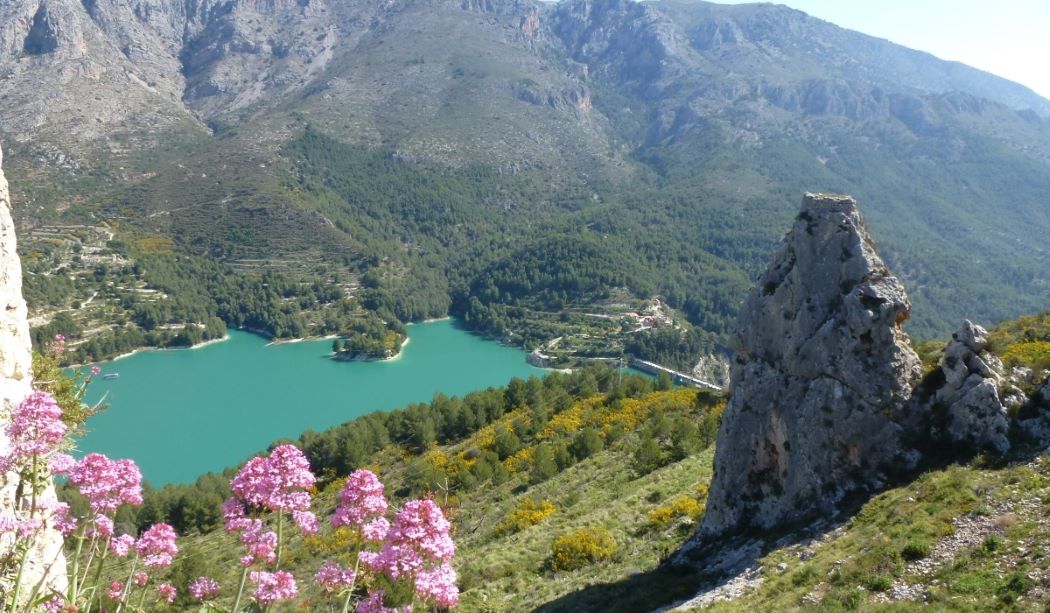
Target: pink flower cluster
x,y
373,603
116,590
261,544
204,588
22,527
334,578
166,592
157,546
121,545
35,430
106,483
360,501
275,483
419,547
62,520
271,587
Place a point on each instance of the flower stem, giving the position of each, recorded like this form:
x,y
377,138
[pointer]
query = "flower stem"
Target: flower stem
x,y
280,538
18,579
127,588
71,595
353,583
240,591
98,572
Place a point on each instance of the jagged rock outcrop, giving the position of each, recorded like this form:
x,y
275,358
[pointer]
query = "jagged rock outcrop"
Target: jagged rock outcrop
x,y
821,380
46,561
962,398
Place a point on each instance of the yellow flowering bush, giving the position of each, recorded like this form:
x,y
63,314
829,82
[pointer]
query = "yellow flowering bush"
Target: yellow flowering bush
x,y
683,506
529,513
1028,353
581,548
522,460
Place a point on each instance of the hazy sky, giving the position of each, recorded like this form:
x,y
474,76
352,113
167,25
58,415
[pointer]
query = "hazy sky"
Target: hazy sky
x,y
1010,38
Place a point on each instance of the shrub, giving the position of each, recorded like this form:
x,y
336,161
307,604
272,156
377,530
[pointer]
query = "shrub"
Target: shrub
x,y
683,506
915,549
529,513
581,548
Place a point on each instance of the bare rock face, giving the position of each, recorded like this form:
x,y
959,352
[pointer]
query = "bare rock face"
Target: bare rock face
x,y
46,563
962,398
821,380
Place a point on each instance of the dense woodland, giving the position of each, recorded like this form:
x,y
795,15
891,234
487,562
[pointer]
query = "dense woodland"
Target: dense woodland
x,y
427,241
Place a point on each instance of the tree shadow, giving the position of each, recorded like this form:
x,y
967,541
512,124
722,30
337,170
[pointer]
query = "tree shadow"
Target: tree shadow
x,y
643,591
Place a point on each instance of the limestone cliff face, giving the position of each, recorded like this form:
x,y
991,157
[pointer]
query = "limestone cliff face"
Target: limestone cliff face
x,y
821,380
47,561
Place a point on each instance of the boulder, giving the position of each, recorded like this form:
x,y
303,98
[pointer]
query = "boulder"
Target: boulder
x,y
962,398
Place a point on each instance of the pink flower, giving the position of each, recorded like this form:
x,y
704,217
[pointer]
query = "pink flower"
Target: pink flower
x,y
34,430
261,545
204,588
140,578
272,587
62,520
306,521
439,585
55,605
29,526
121,545
157,546
418,547
103,527
334,578
233,515
421,525
361,500
374,604
116,590
166,591
275,483
395,561
106,483
376,530
95,370
62,463
60,338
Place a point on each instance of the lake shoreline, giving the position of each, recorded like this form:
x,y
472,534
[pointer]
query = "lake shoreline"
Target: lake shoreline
x,y
133,352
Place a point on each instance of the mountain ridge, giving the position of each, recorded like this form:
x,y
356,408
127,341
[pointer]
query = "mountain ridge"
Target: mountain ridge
x,y
681,123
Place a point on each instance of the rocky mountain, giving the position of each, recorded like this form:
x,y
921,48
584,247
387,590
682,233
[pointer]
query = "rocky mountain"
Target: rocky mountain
x,y
688,120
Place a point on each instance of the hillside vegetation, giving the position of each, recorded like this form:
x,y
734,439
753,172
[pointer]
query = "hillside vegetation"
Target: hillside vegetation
x,y
573,492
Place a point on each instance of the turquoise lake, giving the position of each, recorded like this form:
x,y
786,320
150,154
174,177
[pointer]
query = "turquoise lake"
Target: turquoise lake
x,y
181,413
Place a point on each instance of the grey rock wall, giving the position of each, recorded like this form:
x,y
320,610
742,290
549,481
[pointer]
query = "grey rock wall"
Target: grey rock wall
x,y
47,564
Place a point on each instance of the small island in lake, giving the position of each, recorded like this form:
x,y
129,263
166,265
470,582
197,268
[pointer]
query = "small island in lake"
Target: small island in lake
x,y
370,338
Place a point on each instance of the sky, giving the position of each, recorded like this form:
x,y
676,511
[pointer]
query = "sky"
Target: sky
x,y
1009,38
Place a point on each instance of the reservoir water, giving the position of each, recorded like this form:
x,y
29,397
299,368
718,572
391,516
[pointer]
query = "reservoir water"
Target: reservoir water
x,y
184,412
